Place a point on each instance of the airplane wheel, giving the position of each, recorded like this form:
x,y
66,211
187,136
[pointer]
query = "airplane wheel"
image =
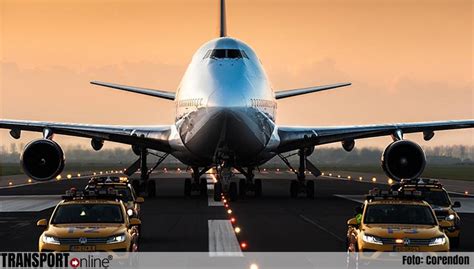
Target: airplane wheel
x,y
203,187
242,187
310,189
294,188
187,187
151,188
258,187
233,191
217,191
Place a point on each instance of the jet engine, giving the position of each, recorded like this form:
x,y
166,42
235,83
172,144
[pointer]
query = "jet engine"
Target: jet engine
x,y
403,159
42,159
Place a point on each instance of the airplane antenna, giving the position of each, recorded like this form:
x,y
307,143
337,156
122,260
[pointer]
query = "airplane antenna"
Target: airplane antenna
x,y
223,25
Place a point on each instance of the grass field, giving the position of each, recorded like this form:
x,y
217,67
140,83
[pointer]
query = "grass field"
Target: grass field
x,y
461,172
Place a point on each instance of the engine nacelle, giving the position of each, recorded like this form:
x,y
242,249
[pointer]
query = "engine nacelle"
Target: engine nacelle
x,y
403,159
42,159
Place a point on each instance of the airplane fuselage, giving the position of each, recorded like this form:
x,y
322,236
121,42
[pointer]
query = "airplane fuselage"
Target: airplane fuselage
x,y
225,107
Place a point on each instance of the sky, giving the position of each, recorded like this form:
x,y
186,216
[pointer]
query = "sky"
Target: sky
x,y
408,60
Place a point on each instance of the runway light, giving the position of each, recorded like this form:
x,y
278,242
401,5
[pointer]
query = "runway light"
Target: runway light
x,y
349,177
390,181
69,176
95,173
330,174
466,193
58,177
374,179
232,220
322,174
226,205
225,201
121,172
29,180
339,176
101,172
243,245
360,178
253,266
278,169
399,241
78,175
264,169
237,230
229,211
10,183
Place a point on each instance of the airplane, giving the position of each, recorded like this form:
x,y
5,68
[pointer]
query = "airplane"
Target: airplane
x,y
225,120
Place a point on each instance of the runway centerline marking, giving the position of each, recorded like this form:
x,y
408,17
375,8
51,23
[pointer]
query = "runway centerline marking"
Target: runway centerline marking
x,y
310,221
222,239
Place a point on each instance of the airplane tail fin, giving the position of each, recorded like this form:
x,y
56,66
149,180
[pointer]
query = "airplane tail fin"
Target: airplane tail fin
x,y
222,21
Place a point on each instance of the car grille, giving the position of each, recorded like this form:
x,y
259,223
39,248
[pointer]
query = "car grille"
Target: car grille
x,y
90,241
412,242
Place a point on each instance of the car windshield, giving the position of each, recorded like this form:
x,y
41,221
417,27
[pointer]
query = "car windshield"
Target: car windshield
x,y
399,214
88,213
438,198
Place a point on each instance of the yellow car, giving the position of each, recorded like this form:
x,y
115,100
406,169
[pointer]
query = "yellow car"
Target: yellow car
x,y
433,192
393,221
89,221
123,187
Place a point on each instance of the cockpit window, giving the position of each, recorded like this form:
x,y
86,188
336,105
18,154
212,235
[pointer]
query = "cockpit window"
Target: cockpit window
x,y
226,54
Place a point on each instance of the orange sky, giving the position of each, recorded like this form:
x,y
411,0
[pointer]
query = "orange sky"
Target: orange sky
x,y
408,60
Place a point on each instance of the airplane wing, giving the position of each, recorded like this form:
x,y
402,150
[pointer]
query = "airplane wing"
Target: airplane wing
x,y
145,91
295,92
154,137
292,138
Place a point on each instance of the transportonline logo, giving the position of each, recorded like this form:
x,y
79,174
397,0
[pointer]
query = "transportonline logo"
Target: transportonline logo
x,y
53,260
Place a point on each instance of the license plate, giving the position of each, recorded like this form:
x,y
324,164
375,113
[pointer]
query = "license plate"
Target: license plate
x,y
405,249
83,248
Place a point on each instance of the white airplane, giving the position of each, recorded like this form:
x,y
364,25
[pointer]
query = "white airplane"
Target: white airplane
x,y
225,119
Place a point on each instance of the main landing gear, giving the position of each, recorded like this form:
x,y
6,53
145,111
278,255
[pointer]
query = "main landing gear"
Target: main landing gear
x,y
197,183
301,185
249,184
144,183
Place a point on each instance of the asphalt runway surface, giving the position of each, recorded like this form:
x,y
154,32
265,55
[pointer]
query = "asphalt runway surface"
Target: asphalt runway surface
x,y
171,222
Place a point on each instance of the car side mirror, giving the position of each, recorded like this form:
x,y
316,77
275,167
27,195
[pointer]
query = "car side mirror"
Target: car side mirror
x,y
140,200
444,224
42,223
135,222
352,222
457,204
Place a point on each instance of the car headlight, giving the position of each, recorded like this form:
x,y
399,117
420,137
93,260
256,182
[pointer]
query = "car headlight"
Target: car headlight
x,y
372,239
116,239
438,241
130,212
50,239
450,217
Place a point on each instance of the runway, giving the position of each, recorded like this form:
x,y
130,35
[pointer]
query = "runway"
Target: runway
x,y
171,222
